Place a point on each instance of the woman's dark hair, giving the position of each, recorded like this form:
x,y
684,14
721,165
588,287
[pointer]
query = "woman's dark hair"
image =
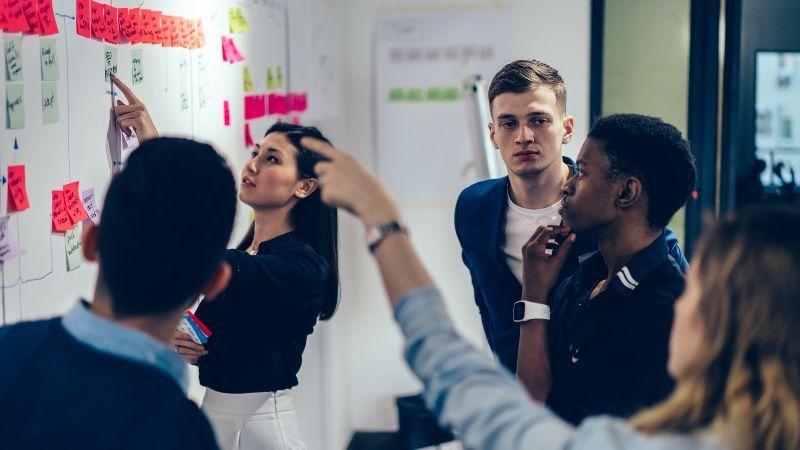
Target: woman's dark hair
x,y
315,222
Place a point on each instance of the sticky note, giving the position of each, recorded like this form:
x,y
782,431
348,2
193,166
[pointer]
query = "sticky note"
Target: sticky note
x,y
146,28
396,95
270,80
248,138
73,204
279,77
135,19
451,94
183,79
46,17
13,53
414,95
90,203
183,27
166,30
16,17
32,16
137,66
49,102
248,82
98,21
201,35
3,15
17,190
155,23
434,94
112,25
238,23
9,247
110,61
124,24
49,59
72,245
175,31
226,113
61,220
254,107
15,106
83,18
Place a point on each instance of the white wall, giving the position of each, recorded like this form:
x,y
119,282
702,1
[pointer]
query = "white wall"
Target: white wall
x,y
362,358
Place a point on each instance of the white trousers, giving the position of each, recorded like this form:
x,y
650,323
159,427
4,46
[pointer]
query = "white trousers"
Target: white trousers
x,y
260,420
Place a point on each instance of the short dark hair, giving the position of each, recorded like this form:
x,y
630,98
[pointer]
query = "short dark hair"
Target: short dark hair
x,y
314,221
524,74
654,152
166,221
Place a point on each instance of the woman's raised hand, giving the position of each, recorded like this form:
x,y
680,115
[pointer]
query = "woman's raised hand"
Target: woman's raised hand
x,y
134,114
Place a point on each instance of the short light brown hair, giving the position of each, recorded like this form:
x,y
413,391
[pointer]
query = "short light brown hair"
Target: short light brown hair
x,y
524,74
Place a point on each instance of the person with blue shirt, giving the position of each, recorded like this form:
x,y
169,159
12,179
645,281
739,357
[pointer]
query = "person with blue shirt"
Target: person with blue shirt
x,y
734,344
495,218
598,343
104,376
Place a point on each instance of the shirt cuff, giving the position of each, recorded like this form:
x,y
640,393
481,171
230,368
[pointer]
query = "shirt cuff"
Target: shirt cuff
x,y
422,311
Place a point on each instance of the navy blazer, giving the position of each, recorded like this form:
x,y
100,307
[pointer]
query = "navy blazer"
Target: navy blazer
x,y
480,226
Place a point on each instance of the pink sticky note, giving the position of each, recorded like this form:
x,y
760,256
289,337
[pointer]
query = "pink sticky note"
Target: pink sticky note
x,y
135,19
166,30
248,138
98,21
226,113
46,17
61,220
112,25
9,247
16,17
17,191
254,107
155,21
83,19
74,206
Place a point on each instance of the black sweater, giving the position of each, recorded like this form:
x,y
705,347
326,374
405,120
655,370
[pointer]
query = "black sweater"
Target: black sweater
x,y
260,323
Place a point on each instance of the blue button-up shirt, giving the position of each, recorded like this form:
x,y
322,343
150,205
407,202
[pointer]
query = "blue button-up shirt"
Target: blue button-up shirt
x,y
124,342
486,406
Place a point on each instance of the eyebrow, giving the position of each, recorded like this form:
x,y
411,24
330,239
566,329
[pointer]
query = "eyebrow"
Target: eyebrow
x,y
580,162
530,114
274,150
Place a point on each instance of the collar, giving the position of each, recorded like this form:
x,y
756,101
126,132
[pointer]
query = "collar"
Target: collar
x,y
281,242
123,342
633,273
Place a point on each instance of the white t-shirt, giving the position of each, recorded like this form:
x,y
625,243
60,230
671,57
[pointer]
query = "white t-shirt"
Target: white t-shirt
x,y
520,225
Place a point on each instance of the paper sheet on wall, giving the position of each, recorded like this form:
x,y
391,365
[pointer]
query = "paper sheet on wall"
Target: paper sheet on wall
x,y
9,246
422,61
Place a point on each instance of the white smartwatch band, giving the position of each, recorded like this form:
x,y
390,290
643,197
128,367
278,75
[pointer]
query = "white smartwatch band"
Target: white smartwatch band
x,y
525,311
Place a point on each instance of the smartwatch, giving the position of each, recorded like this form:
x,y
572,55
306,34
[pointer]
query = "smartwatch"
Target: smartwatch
x,y
525,311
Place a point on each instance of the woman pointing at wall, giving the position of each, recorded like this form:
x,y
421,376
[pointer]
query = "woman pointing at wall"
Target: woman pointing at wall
x,y
285,277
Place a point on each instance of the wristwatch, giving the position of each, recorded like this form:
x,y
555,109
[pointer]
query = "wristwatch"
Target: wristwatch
x,y
377,233
525,311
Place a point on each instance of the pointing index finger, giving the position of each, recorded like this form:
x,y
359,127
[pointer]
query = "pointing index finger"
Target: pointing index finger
x,y
320,147
126,91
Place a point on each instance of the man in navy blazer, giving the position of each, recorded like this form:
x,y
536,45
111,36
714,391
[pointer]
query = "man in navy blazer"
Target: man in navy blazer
x,y
494,218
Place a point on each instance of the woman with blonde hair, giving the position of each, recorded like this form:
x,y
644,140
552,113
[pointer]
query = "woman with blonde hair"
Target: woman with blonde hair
x,y
734,348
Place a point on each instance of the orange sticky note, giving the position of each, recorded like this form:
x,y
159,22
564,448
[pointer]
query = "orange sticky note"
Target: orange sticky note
x,y
166,31
98,21
17,192
83,18
175,31
46,17
135,18
74,205
155,20
61,220
32,16
201,35
112,25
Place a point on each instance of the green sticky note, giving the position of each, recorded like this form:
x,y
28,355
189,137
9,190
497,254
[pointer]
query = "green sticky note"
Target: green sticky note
x,y
15,106
49,59
435,94
49,102
414,95
13,49
248,82
270,79
72,244
237,21
110,61
396,95
451,94
137,67
183,75
279,81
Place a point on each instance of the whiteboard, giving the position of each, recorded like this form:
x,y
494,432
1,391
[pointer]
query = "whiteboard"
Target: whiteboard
x,y
80,145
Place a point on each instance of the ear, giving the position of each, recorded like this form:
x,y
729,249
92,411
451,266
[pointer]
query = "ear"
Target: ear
x,y
491,135
89,241
569,128
629,193
306,187
218,282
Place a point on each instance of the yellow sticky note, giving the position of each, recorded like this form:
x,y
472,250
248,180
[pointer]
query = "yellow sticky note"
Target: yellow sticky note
x,y
270,79
248,82
280,76
238,22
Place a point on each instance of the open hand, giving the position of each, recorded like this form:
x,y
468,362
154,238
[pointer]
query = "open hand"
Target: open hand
x,y
133,115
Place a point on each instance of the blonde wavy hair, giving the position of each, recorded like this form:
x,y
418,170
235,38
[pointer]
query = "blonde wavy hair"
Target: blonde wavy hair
x,y
744,383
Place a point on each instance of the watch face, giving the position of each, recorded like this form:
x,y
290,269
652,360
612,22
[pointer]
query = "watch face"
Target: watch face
x,y
519,311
